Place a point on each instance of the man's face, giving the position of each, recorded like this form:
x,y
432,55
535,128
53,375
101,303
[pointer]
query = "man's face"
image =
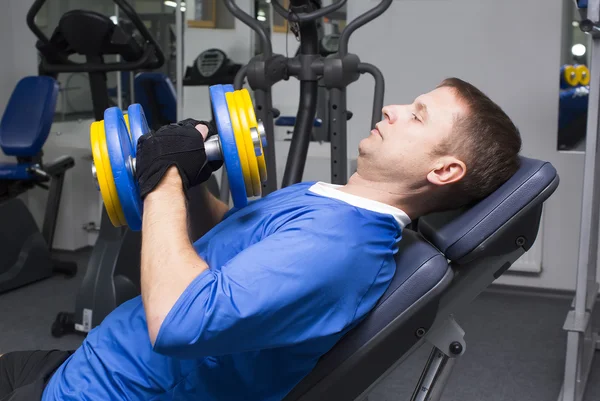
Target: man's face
x,y
400,148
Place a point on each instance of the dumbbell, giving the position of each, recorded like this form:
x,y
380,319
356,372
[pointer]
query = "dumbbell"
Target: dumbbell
x,y
574,75
239,143
583,74
568,76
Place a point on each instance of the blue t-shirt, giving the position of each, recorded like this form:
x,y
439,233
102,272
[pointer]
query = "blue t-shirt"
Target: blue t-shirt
x,y
289,275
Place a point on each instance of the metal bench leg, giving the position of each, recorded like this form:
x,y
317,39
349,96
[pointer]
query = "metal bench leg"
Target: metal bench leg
x,y
448,344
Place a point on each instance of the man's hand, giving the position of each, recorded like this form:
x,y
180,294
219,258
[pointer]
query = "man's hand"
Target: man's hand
x,y
180,145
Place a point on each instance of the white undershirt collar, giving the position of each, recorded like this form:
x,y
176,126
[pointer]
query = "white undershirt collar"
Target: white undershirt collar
x,y
330,190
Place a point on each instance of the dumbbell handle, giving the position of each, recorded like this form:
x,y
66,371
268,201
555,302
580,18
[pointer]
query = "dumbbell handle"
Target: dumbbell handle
x,y
212,147
213,150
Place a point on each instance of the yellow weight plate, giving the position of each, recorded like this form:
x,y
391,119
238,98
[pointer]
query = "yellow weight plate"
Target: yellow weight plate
x,y
570,75
247,136
111,188
95,130
583,75
249,107
104,175
239,142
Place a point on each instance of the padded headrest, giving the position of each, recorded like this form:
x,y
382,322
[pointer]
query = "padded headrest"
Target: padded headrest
x,y
28,116
156,87
458,233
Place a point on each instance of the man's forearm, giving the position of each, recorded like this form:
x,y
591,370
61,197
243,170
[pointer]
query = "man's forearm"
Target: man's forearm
x,y
204,210
169,262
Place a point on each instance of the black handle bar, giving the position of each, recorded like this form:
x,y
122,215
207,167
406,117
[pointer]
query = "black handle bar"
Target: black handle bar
x,y
142,63
146,61
304,17
348,30
359,21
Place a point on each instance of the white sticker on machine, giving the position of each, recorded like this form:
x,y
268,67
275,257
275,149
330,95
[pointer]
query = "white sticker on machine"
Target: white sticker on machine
x,y
86,325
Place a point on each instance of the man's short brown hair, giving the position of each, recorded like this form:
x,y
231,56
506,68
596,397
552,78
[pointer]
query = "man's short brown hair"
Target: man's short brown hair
x,y
486,140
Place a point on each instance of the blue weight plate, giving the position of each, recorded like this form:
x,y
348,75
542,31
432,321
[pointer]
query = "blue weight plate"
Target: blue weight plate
x,y
138,125
119,151
231,158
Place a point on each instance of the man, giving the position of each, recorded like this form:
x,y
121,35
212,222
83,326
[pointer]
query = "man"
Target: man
x,y
246,311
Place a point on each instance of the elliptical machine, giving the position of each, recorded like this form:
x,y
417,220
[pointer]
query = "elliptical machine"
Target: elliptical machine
x,y
337,71
113,272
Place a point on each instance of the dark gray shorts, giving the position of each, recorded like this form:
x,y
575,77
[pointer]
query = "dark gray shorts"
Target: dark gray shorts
x,y
24,374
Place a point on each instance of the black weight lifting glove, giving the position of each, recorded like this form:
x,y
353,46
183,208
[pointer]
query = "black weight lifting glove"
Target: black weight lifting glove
x,y
180,145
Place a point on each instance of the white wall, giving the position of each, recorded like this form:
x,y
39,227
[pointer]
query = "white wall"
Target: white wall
x,y
17,45
286,94
6,68
513,55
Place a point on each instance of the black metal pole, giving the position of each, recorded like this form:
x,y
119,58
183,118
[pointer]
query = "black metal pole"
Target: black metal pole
x,y
238,81
52,206
307,109
35,8
379,90
307,106
339,146
98,87
263,104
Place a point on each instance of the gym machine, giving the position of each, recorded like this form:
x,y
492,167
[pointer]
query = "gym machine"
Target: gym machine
x,y
112,275
211,67
24,128
328,44
337,71
582,341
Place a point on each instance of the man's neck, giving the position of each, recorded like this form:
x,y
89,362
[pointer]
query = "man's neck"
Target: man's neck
x,y
410,201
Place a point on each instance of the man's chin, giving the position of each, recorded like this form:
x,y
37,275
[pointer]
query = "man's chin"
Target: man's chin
x,y
364,148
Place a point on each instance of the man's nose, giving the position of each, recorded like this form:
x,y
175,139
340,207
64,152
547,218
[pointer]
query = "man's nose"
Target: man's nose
x,y
389,114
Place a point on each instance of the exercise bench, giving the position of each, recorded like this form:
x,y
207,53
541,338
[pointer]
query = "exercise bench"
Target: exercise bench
x,y
442,265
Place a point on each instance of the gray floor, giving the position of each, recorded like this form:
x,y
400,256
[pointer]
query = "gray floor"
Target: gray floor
x,y
515,351
515,343
26,314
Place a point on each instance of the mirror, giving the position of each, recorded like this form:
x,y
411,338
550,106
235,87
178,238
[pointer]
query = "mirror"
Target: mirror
x,y
574,82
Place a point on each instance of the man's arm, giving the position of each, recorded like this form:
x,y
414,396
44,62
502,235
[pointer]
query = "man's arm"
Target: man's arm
x,y
169,262
204,211
304,281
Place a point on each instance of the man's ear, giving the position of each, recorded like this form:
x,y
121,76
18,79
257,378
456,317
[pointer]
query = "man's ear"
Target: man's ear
x,y
447,170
